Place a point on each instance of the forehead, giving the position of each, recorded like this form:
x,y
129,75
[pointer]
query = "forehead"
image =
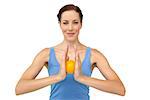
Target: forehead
x,y
70,15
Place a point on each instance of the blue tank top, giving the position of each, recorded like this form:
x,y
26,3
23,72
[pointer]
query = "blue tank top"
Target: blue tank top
x,y
69,89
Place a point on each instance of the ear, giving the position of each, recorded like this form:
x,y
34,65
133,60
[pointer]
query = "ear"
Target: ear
x,y
81,25
59,23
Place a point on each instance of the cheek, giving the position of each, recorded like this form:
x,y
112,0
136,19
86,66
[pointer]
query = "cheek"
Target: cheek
x,y
63,28
78,28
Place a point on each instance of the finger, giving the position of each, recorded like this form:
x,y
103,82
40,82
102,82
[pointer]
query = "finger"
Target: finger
x,y
77,55
77,64
75,47
66,53
63,60
71,52
78,58
67,58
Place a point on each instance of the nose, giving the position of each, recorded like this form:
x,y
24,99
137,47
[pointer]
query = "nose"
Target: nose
x,y
70,27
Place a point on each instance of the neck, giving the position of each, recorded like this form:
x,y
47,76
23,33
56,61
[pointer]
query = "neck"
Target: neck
x,y
65,42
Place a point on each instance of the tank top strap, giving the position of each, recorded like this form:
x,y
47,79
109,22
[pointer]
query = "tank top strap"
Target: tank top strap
x,y
88,53
52,57
51,54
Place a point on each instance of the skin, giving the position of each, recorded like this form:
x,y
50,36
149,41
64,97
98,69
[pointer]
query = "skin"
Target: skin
x,y
72,49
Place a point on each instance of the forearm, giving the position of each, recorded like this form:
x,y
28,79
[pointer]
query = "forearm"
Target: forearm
x,y
112,86
27,85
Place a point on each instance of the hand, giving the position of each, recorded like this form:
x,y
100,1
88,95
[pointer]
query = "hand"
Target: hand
x,y
78,71
62,73
71,62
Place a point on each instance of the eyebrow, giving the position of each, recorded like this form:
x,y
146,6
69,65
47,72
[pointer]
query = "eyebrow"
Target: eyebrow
x,y
73,20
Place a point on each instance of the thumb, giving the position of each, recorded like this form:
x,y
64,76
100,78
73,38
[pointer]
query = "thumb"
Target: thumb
x,y
63,64
77,59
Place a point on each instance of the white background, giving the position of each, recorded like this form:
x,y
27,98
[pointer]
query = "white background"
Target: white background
x,y
118,28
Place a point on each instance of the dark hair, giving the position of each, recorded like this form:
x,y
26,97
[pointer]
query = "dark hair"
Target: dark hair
x,y
70,7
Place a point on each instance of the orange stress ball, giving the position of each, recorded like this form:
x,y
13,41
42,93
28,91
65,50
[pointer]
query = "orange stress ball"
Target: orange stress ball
x,y
70,64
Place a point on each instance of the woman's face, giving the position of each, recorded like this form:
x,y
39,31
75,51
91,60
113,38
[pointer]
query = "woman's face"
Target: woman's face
x,y
70,25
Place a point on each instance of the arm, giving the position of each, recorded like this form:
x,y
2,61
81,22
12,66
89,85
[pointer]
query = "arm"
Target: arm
x,y
112,84
28,83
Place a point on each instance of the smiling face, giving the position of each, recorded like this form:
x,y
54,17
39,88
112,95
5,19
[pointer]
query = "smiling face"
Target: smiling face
x,y
70,25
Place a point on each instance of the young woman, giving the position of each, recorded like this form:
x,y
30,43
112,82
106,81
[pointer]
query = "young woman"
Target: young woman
x,y
65,85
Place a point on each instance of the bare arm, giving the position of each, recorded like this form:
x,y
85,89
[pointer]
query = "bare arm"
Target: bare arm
x,y
28,83
112,83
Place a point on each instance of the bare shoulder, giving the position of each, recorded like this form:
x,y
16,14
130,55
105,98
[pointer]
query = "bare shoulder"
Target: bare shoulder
x,y
97,55
43,54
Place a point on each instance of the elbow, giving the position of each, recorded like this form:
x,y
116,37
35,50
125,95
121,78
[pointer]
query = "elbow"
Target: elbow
x,y
17,93
18,90
119,89
122,91
22,87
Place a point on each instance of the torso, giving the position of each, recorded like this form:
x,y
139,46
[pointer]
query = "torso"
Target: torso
x,y
82,51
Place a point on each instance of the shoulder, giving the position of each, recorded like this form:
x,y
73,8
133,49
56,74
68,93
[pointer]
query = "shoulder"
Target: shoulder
x,y
95,52
96,55
44,51
43,54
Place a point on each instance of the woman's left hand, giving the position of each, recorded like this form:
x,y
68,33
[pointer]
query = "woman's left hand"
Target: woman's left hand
x,y
78,70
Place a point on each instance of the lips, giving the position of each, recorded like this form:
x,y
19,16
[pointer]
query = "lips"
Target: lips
x,y
70,34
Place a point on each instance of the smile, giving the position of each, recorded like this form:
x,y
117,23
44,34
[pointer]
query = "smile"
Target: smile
x,y
70,34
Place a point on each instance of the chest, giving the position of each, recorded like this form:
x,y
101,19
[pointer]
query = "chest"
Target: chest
x,y
56,60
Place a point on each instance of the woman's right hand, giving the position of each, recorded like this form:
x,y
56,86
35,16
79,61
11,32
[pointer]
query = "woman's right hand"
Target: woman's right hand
x,y
62,72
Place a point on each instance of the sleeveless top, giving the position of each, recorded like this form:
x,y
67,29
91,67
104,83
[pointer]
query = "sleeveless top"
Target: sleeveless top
x,y
69,89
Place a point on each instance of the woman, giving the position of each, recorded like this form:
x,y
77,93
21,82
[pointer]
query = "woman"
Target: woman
x,y
64,85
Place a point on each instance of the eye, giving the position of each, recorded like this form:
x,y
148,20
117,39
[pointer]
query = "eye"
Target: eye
x,y
65,23
75,22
